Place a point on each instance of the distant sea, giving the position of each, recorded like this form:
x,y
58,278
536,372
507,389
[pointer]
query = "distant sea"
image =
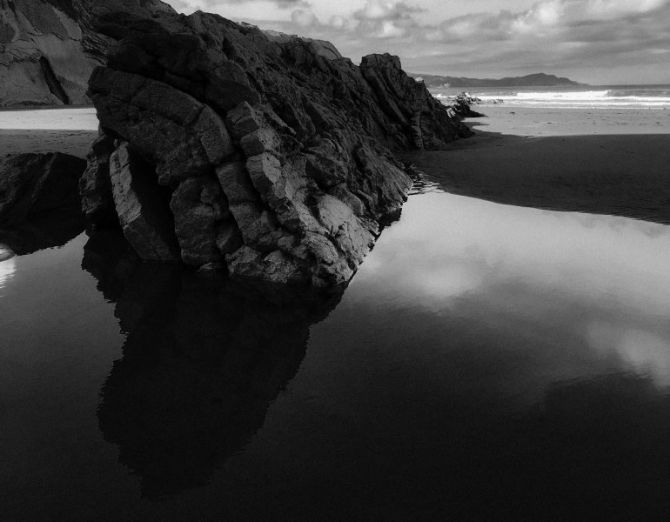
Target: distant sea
x,y
587,96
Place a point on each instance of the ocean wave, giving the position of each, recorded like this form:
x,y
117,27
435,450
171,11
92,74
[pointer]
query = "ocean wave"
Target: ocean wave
x,y
578,99
563,95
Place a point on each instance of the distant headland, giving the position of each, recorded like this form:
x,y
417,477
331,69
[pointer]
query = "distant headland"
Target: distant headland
x,y
530,80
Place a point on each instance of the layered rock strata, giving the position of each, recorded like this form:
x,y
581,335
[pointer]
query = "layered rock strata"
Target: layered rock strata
x,y
271,153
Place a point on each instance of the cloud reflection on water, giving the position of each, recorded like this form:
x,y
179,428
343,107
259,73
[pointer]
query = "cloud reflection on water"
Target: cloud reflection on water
x,y
604,279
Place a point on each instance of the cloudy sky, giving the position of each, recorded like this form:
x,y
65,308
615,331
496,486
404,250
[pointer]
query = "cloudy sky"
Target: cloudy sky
x,y
593,41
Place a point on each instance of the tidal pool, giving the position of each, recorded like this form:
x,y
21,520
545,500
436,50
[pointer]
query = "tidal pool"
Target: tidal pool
x,y
488,362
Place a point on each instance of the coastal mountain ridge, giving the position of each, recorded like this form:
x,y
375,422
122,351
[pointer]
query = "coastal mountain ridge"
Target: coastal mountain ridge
x,y
530,80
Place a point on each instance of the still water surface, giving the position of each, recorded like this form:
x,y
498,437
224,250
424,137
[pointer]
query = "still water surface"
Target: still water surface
x,y
488,362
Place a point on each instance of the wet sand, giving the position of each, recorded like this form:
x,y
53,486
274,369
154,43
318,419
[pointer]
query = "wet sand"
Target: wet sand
x,y
76,143
610,173
547,121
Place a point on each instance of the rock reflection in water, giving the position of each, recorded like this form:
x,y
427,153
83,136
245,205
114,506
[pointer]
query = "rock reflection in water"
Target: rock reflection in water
x,y
54,229
202,361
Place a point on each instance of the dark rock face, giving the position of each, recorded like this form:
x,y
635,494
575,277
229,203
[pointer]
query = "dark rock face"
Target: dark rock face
x,y
32,185
143,215
275,150
407,102
95,185
48,48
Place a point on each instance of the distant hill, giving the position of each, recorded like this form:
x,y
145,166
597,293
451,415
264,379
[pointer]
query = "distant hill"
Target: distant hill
x,y
530,80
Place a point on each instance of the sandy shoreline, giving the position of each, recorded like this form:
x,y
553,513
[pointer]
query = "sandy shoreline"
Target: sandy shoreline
x,y
618,174
544,122
545,159
76,143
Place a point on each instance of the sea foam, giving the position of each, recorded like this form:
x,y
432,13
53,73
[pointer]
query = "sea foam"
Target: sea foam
x,y
580,99
631,97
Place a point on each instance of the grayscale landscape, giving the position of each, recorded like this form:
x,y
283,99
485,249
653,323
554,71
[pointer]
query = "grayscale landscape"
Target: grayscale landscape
x,y
299,260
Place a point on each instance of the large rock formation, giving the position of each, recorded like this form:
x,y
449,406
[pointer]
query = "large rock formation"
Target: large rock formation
x,y
48,48
271,152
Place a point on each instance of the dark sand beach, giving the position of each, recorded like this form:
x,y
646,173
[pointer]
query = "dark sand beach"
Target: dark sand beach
x,y
75,142
609,172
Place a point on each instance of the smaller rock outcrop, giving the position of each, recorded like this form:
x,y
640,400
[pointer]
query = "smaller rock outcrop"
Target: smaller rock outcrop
x,y
36,184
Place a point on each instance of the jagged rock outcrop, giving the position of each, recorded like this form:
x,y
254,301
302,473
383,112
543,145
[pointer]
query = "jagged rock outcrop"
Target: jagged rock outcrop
x,y
32,185
272,153
48,48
